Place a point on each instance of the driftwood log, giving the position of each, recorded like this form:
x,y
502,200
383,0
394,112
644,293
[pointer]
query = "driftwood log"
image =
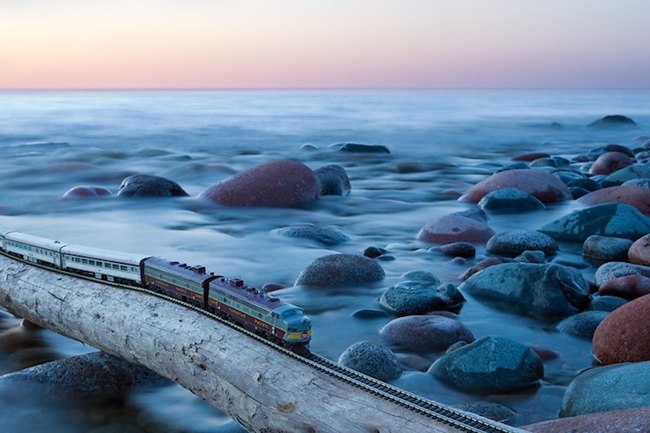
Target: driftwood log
x,y
260,388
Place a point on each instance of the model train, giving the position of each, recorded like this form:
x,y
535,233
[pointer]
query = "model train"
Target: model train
x,y
230,298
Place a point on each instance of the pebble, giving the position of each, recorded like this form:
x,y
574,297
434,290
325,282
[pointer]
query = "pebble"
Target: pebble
x,y
425,333
458,249
540,183
582,325
609,162
611,270
628,287
143,185
510,200
612,387
636,196
624,335
333,180
455,228
323,235
372,359
543,291
284,183
639,251
512,243
490,365
418,297
606,248
340,269
611,219
86,192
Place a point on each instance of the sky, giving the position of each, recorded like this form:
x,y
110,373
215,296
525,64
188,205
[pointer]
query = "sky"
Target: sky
x,y
324,44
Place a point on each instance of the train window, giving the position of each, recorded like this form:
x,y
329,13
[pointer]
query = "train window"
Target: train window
x,y
107,265
91,262
123,268
116,267
84,261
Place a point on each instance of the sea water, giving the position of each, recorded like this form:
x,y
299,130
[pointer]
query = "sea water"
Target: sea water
x,y
441,142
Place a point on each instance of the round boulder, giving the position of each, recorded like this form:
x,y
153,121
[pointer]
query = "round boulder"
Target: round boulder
x,y
372,359
510,200
515,242
612,121
455,228
489,365
431,333
458,249
418,297
540,183
81,192
624,335
636,196
635,171
606,248
628,287
333,180
143,185
322,235
639,251
544,291
485,263
582,325
613,387
363,148
283,183
609,162
612,270
340,269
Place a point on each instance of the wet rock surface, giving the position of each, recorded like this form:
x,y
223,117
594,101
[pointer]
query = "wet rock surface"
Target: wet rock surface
x,y
340,269
362,148
418,297
582,325
639,251
425,333
628,287
515,242
612,121
510,200
606,248
372,359
142,185
544,291
635,196
333,180
322,235
541,184
82,192
455,227
609,162
489,365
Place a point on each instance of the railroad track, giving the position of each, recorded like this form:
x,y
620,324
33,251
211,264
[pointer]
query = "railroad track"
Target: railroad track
x,y
460,420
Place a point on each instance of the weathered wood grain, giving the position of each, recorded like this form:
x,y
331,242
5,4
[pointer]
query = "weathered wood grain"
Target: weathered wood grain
x,y
260,388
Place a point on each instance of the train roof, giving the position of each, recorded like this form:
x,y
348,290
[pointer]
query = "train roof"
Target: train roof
x,y
36,241
196,273
106,255
238,288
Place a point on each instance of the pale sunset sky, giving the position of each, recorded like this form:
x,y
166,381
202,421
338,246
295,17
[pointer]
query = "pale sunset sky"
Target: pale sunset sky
x,y
324,44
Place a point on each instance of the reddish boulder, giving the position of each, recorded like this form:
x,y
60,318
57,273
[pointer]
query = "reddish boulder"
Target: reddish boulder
x,y
639,252
545,186
529,157
635,196
617,421
426,333
628,287
275,184
86,192
609,162
455,228
485,263
624,335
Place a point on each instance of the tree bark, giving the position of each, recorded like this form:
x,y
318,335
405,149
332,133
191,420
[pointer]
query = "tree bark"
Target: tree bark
x,y
263,390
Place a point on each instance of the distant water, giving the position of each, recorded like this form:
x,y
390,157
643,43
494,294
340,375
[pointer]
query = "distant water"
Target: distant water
x,y
440,142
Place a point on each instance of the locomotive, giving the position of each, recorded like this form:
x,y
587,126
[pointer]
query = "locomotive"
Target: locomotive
x,y
230,298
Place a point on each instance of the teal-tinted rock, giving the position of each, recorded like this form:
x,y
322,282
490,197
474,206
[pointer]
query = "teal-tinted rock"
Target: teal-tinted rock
x,y
419,297
322,235
610,219
612,270
372,359
339,270
489,365
515,242
544,291
582,325
634,171
614,387
510,200
606,248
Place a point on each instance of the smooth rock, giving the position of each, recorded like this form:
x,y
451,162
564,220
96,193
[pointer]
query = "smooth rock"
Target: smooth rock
x,y
340,269
606,248
612,121
586,184
582,325
639,251
529,157
624,335
510,200
333,180
635,196
514,242
489,365
554,161
323,235
283,183
643,182
611,219
458,249
142,185
635,171
363,148
612,270
628,287
609,162
419,297
86,192
430,333
544,291
374,252
483,264
529,256
540,183
421,276
455,228
613,387
634,420
372,359
605,302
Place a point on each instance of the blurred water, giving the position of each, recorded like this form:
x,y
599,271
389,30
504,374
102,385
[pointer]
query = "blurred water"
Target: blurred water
x,y
440,142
